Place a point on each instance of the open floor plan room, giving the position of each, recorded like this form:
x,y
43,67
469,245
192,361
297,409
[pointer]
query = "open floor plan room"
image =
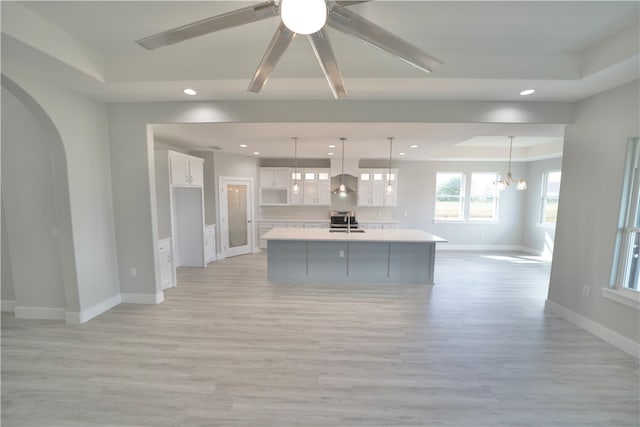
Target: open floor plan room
x,y
229,348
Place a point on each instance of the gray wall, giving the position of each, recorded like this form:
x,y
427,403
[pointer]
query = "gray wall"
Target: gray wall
x,y
235,165
210,187
536,237
28,201
85,211
163,189
592,176
416,204
6,287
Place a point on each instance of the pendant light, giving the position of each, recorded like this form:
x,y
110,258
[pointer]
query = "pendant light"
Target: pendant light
x,y
296,187
521,184
389,185
303,16
342,190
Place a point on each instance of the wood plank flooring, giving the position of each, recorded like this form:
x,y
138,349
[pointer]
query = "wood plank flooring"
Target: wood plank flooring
x,y
227,348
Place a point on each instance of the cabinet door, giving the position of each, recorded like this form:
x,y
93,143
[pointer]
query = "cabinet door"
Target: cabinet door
x,y
179,170
281,178
310,188
364,189
196,172
209,249
266,178
390,198
378,186
296,198
165,270
324,189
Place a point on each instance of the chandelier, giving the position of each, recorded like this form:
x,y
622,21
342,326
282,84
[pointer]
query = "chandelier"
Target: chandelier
x,y
521,184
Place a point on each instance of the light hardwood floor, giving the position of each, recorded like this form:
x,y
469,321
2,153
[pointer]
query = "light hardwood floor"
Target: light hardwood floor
x,y
229,348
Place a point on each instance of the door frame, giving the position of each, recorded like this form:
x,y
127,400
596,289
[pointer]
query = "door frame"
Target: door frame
x,y
223,182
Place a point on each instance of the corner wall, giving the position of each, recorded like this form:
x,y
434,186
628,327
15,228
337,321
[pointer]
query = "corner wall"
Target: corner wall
x,y
592,176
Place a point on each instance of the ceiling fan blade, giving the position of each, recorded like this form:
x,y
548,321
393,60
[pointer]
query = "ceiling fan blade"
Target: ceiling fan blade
x,y
209,25
279,43
351,23
324,52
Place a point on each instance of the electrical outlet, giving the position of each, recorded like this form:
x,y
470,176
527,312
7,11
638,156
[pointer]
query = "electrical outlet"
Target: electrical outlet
x,y
586,290
133,272
341,253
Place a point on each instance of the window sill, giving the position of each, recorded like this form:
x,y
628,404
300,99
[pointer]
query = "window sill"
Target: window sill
x,y
547,225
623,296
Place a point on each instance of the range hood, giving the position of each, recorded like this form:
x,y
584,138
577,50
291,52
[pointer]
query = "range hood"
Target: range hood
x,y
348,178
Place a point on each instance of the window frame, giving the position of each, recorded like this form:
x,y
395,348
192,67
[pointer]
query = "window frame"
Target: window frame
x,y
544,196
461,196
465,200
627,227
496,196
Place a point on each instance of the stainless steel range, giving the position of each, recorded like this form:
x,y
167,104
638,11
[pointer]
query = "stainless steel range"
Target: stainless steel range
x,y
343,221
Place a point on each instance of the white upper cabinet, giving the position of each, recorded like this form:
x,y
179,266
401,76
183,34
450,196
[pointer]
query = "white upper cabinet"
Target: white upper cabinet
x,y
373,185
274,186
313,187
186,171
274,177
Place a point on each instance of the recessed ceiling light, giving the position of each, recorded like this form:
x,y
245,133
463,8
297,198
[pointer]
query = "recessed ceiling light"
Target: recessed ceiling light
x,y
402,154
243,145
256,153
190,92
413,146
527,92
332,146
330,154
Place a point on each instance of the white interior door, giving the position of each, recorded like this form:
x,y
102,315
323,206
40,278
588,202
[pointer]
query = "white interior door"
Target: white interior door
x,y
236,216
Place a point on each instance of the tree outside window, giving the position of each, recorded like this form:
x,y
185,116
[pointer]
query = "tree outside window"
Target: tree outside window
x,y
449,198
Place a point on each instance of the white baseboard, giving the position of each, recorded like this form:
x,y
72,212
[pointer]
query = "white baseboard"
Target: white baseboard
x,y
606,334
44,313
156,298
97,309
8,305
451,247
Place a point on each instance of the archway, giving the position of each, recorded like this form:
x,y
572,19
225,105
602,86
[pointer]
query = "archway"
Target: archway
x,y
35,198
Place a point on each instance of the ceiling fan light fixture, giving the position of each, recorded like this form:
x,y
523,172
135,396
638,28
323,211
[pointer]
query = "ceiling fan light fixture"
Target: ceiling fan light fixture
x,y
304,16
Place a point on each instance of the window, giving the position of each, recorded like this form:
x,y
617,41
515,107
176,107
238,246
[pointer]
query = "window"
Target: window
x,y
449,195
628,253
455,203
483,197
549,197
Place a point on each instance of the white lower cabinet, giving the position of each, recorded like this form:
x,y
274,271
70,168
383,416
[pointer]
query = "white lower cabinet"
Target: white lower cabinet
x,y
166,264
209,243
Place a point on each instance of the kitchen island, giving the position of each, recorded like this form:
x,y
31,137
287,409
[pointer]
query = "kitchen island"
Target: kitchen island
x,y
322,256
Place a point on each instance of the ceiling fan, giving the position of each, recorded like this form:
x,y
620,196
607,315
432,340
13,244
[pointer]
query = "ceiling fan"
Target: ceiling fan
x,y
337,17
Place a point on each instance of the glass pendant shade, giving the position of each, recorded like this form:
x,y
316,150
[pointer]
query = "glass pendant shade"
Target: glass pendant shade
x,y
296,188
303,16
389,189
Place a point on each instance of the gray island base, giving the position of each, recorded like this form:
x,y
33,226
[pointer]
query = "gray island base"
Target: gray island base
x,y
375,256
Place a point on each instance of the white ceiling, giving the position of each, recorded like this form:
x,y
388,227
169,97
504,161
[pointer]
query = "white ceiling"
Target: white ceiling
x,y
491,51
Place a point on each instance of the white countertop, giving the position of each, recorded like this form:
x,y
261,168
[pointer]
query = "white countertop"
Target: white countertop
x,y
323,234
